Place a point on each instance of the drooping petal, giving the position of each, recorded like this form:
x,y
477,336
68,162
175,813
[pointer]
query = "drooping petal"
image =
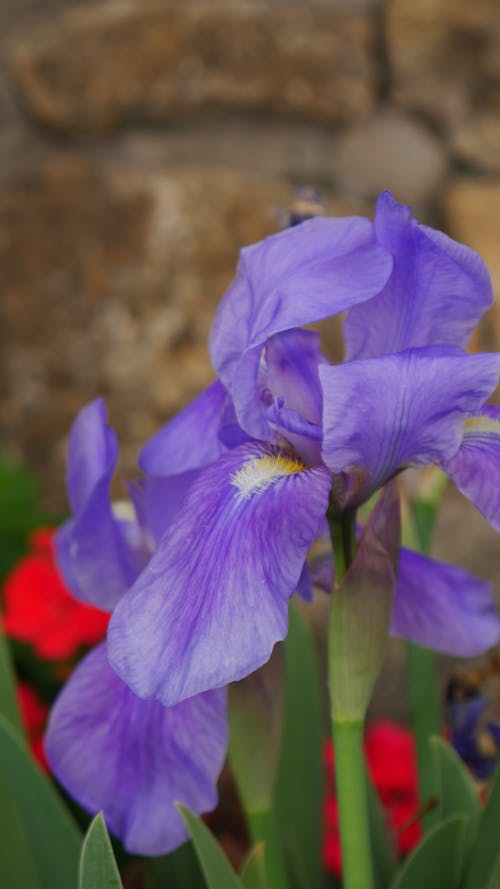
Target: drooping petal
x,y
93,548
288,280
443,607
213,601
436,293
134,759
191,439
475,468
381,414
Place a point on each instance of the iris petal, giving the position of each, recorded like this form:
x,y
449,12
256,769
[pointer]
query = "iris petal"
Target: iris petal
x,y
213,601
436,293
93,548
134,759
475,468
191,439
443,607
381,414
291,279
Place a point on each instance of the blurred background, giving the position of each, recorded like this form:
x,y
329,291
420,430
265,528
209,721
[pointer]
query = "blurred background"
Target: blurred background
x,y
143,142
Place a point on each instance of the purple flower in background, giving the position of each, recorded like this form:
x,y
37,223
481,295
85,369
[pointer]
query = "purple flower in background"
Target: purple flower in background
x,y
477,741
283,435
111,750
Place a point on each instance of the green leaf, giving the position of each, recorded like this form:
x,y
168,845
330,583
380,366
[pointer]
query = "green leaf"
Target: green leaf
x,y
457,793
383,851
214,864
19,513
253,875
8,700
299,791
485,856
18,870
53,836
178,868
98,868
437,862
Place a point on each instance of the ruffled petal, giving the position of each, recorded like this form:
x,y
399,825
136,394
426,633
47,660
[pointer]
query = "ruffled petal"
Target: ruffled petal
x,y
288,280
382,414
94,551
443,607
475,468
436,293
213,601
191,439
134,759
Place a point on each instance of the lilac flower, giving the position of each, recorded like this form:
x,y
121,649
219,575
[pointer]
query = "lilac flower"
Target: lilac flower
x,y
282,436
111,750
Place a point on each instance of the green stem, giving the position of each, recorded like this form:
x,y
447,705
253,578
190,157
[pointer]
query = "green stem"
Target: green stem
x,y
353,804
350,776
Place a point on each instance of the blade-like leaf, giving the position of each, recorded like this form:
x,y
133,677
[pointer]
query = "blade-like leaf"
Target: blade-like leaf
x,y
178,868
214,864
484,861
457,793
299,792
98,868
383,851
17,866
8,702
53,836
253,874
437,862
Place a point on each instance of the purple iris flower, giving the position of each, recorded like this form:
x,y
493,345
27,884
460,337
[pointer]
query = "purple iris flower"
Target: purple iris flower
x,y
283,435
476,741
112,751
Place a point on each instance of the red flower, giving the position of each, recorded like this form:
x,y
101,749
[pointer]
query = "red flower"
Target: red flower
x,y
34,715
392,762
38,608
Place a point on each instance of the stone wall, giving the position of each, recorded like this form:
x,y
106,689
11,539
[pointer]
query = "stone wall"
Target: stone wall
x,y
143,142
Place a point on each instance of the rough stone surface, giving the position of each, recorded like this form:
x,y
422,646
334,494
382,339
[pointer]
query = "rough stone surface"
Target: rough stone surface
x,y
444,55
404,157
471,210
476,139
122,61
110,279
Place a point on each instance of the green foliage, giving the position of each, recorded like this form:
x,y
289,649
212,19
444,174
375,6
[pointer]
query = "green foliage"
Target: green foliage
x,y
214,864
300,787
436,862
19,512
457,793
8,702
98,868
483,870
53,838
253,875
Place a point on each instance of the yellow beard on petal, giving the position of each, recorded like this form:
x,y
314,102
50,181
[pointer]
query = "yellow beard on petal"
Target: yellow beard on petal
x,y
477,425
259,473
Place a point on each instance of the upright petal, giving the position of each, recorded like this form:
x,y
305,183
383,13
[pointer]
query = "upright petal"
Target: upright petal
x,y
298,276
191,439
436,294
93,548
134,759
213,601
291,393
382,414
443,607
475,468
